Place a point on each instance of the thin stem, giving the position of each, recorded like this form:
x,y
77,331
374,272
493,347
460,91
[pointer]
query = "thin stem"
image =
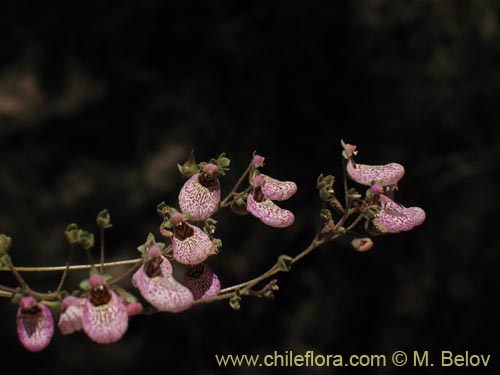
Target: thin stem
x,y
89,258
344,181
126,273
272,271
236,186
23,284
101,268
65,273
74,268
6,294
8,289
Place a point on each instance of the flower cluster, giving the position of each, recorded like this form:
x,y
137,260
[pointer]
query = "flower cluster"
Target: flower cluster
x,y
390,217
266,190
102,311
101,308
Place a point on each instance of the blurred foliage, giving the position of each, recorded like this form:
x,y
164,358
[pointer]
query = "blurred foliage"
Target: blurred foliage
x,y
99,101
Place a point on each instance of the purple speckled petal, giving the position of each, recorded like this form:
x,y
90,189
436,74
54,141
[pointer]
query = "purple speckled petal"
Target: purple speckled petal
x,y
395,218
194,249
269,213
417,214
35,326
278,190
202,281
201,202
364,174
105,323
71,318
165,266
163,292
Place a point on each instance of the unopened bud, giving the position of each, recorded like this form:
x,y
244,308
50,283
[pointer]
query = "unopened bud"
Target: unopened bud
x,y
362,244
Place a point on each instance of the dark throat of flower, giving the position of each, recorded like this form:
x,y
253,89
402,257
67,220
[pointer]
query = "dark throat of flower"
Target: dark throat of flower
x,y
208,180
30,319
258,196
183,231
100,296
194,272
152,267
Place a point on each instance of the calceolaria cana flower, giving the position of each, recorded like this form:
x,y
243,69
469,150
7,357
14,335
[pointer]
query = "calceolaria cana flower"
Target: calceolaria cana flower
x,y
201,281
386,175
261,206
105,318
277,190
157,285
72,314
35,326
394,218
190,244
200,195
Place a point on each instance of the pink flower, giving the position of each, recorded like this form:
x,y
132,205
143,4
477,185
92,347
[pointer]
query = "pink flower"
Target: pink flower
x,y
190,244
277,190
388,174
105,318
260,204
35,326
201,281
156,284
349,150
395,218
376,189
72,314
200,195
258,161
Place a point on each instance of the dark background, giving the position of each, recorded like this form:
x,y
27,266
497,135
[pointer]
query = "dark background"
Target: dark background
x,y
99,102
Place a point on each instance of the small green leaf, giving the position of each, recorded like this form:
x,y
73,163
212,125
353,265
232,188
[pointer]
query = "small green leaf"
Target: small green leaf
x,y
189,167
369,193
131,299
161,245
107,277
72,234
104,219
186,215
150,237
161,207
93,271
16,297
84,285
285,263
5,242
234,302
87,240
141,249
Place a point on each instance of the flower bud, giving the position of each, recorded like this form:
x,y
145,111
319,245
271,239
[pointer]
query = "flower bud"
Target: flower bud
x,y
362,244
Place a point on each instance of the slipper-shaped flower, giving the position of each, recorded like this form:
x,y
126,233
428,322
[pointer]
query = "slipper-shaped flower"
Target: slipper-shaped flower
x,y
105,318
201,281
156,284
72,314
394,218
388,174
35,326
277,190
200,195
267,211
190,244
